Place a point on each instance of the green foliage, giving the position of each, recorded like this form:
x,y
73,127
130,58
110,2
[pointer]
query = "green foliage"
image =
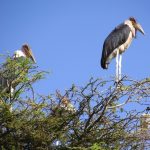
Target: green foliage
x,y
96,147
99,120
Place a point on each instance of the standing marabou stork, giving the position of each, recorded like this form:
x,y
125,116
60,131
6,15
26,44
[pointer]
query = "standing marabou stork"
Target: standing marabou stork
x,y
117,42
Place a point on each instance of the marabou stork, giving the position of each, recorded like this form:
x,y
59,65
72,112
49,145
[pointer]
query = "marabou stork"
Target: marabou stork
x,y
117,42
25,52
5,83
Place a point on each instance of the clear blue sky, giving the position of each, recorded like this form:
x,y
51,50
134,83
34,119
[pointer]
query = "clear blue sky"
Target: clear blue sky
x,y
67,36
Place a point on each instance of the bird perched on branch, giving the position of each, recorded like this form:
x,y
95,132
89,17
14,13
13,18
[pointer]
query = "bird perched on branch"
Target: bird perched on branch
x,y
117,42
10,73
25,52
6,83
65,103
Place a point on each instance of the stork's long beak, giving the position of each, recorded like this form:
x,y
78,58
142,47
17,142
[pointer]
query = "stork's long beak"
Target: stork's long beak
x,y
139,27
33,58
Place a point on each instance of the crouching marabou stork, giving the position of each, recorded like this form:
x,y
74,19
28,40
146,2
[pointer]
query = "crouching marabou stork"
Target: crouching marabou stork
x,y
117,42
25,52
6,84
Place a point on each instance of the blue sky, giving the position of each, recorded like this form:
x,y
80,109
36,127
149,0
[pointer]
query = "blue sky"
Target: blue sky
x,y
67,36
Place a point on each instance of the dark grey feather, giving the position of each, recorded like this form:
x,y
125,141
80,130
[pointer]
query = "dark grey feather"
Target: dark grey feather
x,y
116,38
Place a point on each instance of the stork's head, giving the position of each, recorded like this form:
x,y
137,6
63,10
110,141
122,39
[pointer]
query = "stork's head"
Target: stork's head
x,y
28,52
136,25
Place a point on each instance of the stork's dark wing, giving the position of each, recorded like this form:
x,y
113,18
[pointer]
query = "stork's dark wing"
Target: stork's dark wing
x,y
116,38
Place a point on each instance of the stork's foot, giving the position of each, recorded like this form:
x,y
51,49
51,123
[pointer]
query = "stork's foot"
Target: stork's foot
x,y
118,83
147,109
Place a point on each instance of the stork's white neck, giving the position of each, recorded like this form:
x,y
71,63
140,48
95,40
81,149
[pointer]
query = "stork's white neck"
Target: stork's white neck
x,y
129,23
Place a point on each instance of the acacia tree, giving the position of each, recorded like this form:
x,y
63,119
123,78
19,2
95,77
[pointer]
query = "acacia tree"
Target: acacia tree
x,y
99,115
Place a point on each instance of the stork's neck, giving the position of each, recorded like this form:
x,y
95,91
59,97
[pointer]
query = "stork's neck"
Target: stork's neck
x,y
129,23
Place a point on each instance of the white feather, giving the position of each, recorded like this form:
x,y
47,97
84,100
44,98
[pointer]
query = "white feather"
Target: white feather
x,y
19,53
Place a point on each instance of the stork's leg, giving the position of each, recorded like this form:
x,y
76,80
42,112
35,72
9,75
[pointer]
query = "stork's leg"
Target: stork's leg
x,y
117,66
120,62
